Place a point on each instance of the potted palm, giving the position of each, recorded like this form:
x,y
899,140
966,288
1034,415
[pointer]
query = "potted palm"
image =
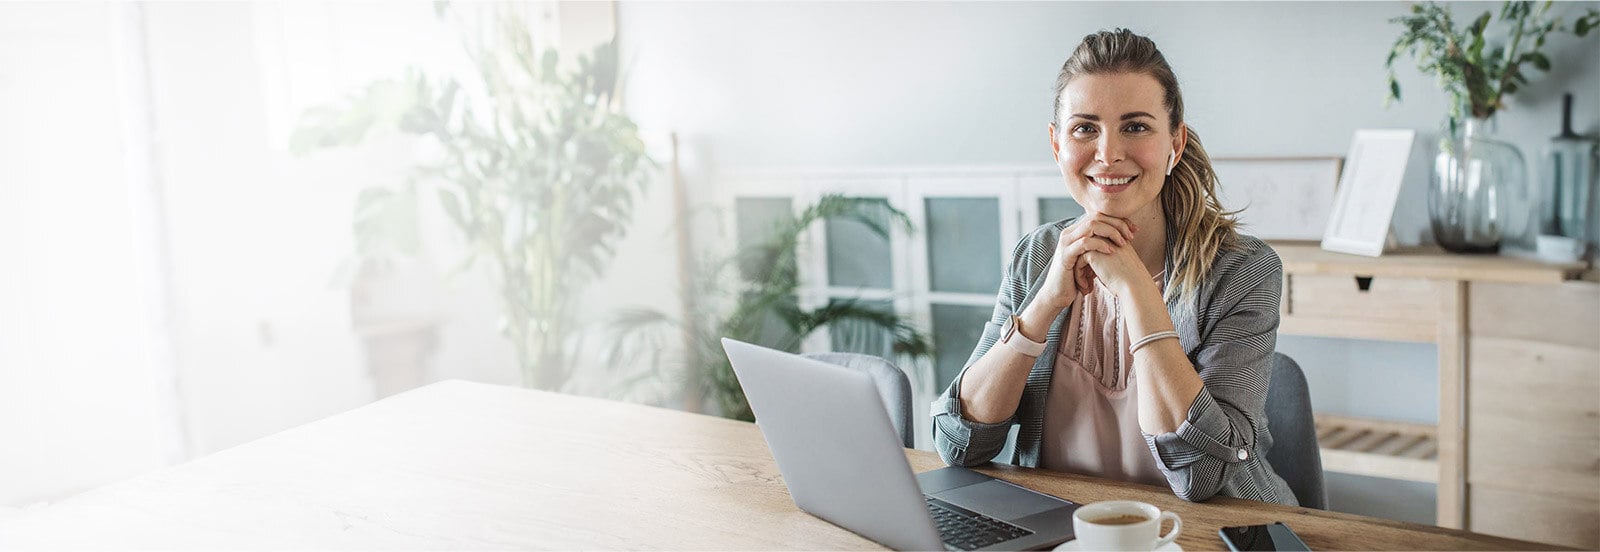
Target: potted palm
x,y
536,168
750,295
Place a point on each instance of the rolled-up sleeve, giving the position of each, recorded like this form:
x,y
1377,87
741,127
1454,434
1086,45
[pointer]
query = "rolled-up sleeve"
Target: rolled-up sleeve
x,y
1234,361
960,441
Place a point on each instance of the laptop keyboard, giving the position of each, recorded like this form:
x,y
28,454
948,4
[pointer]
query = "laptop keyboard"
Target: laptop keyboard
x,y
965,529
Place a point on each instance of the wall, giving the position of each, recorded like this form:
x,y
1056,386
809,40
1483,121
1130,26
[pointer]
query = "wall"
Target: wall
x,y
78,397
874,84
888,84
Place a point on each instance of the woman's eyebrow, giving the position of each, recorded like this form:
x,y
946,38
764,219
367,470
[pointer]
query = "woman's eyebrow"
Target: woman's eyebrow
x,y
1125,116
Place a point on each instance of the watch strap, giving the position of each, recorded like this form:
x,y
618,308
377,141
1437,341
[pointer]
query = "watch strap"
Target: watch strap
x,y
1018,342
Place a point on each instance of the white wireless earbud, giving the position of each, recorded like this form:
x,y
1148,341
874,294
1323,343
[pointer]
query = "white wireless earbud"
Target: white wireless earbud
x,y
1172,161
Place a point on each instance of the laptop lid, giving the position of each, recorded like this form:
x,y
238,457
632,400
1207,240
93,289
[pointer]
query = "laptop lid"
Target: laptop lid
x,y
835,445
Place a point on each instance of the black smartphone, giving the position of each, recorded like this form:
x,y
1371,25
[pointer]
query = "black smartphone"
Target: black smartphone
x,y
1273,536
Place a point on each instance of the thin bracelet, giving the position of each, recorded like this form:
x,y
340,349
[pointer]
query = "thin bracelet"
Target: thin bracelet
x,y
1146,340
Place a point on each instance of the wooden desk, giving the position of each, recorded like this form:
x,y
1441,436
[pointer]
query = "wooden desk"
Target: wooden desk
x,y
459,465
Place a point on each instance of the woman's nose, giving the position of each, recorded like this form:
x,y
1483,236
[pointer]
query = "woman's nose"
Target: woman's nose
x,y
1108,149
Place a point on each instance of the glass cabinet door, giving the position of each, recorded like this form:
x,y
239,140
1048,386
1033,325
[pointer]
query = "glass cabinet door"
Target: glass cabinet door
x,y
850,336
857,256
965,260
758,221
860,268
1052,209
956,329
963,244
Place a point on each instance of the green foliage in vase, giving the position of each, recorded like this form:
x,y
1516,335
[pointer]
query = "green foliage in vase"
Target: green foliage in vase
x,y
1474,67
537,170
751,296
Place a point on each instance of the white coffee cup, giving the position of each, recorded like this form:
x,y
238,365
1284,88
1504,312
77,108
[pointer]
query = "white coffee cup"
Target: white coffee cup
x,y
1106,526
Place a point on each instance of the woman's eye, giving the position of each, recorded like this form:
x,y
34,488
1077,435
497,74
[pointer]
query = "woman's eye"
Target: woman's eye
x,y
1083,129
1137,127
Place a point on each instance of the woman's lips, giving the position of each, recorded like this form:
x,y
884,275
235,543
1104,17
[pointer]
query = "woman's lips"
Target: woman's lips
x,y
1111,184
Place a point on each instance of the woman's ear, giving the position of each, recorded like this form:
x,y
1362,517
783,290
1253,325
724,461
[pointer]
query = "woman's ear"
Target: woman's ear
x,y
1179,140
1055,147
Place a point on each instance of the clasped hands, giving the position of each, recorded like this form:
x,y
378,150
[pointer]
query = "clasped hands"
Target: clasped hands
x,y
1096,246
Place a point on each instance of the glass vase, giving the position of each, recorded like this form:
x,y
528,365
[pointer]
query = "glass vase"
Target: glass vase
x,y
1478,196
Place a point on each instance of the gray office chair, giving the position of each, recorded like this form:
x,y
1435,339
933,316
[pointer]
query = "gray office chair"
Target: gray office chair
x,y
893,386
1294,453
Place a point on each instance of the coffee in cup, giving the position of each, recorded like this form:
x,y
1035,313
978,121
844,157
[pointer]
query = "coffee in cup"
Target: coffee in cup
x,y
1123,525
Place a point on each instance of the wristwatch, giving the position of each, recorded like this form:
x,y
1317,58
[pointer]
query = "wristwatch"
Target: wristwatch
x,y
1018,342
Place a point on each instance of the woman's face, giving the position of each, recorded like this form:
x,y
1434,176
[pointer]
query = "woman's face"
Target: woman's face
x,y
1113,143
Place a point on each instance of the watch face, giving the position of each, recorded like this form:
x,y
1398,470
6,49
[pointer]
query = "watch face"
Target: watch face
x,y
1014,339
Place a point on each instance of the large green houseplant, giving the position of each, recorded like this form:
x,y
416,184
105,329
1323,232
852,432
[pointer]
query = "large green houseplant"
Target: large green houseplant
x,y
751,296
537,170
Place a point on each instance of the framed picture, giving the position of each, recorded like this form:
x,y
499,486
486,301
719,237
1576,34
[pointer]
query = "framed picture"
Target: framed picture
x,y
1279,198
1363,206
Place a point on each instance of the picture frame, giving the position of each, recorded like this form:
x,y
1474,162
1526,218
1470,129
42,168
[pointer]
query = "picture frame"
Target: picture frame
x,y
1363,205
1279,198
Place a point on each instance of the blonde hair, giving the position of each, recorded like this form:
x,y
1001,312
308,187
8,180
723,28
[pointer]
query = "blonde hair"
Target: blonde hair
x,y
1196,220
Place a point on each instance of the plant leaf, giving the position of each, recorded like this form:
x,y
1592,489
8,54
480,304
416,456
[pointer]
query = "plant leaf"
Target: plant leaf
x,y
1539,60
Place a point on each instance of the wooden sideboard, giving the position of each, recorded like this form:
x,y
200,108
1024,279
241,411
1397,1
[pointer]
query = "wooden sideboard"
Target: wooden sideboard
x,y
1516,451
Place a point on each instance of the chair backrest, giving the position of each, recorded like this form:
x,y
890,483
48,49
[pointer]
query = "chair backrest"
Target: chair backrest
x,y
893,386
1294,453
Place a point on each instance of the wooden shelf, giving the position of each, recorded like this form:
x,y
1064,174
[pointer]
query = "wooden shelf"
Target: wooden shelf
x,y
1395,450
1425,263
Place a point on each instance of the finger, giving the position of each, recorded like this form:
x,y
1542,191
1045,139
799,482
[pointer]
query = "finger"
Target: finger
x,y
1107,226
1072,256
1072,261
1080,259
1085,279
1096,228
1110,232
1119,224
1097,244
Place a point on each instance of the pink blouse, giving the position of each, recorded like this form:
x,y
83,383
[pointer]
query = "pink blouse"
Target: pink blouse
x,y
1091,412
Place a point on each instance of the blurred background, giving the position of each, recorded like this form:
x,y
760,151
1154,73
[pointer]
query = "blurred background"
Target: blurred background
x,y
221,220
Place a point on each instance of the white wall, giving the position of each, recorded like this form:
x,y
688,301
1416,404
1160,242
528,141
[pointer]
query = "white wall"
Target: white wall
x,y
911,84
78,399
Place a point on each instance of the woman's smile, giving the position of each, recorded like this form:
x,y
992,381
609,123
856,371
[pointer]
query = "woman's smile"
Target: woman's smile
x,y
1111,183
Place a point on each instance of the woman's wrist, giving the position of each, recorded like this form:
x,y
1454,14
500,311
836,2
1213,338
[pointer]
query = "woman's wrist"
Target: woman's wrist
x,y
1037,318
1138,289
1148,314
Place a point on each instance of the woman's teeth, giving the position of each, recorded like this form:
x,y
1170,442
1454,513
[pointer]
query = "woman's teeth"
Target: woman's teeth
x,y
1112,181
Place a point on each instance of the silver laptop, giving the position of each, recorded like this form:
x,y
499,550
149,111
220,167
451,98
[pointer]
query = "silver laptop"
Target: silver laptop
x,y
843,462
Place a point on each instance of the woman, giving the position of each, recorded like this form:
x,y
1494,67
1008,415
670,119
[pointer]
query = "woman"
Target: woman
x,y
1134,342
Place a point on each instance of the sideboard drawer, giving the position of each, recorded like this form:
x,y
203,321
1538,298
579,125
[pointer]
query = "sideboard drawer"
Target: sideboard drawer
x,y
1382,298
